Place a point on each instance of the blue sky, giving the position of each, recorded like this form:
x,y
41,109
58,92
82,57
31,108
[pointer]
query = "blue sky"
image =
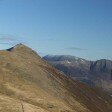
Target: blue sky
x,y
74,27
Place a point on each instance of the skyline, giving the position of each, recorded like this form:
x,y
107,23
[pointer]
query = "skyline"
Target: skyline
x,y
70,27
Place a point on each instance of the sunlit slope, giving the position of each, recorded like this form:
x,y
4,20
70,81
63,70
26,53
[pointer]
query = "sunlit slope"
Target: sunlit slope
x,y
30,84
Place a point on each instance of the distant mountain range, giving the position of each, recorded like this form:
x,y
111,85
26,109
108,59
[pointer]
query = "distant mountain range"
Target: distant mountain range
x,y
30,84
95,73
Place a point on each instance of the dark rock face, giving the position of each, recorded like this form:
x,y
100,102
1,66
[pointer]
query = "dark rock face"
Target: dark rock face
x,y
103,66
91,72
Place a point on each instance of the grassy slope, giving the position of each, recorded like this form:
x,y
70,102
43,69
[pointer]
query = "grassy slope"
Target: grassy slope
x,y
25,78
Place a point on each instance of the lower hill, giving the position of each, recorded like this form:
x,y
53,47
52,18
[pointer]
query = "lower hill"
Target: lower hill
x,y
30,84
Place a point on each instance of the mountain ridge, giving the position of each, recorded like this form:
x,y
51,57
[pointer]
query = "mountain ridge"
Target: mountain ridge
x,y
30,84
92,72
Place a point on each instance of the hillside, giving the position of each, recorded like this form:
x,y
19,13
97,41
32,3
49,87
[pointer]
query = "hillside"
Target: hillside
x,y
30,84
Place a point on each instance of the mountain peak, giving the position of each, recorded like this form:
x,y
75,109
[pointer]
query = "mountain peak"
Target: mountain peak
x,y
19,46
